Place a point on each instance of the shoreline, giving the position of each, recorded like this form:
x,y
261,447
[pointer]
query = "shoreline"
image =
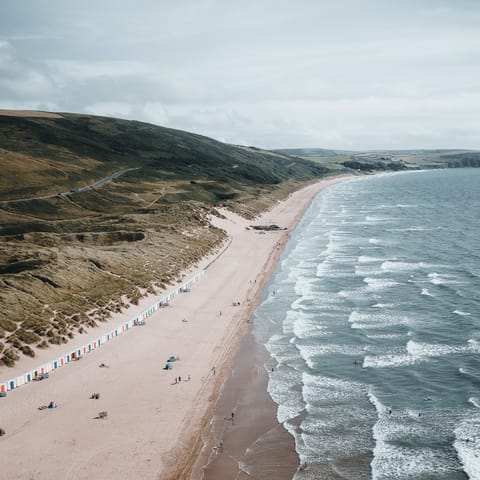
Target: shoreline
x,y
248,371
155,426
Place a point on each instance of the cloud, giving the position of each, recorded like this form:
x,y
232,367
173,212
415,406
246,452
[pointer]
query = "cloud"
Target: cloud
x,y
23,81
349,74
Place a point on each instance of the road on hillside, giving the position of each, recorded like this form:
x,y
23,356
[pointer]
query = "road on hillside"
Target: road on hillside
x,y
92,186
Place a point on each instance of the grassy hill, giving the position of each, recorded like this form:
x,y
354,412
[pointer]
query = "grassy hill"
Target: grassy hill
x,y
385,160
73,250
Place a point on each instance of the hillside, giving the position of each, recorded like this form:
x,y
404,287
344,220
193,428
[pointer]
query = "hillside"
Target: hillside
x,y
386,160
96,211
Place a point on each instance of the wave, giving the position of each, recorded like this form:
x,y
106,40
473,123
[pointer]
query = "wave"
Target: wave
x,y
305,286
475,401
468,372
379,406
304,325
281,350
442,279
376,320
377,219
392,455
368,259
385,336
467,445
418,352
319,387
426,292
379,283
309,352
398,266
290,403
384,305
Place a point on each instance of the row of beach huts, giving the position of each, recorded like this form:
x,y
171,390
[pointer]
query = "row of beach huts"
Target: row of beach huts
x,y
77,353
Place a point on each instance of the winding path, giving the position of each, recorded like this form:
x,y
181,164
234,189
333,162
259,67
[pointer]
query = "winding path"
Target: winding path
x,y
92,186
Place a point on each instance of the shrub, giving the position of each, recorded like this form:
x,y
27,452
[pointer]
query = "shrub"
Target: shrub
x,y
9,357
26,350
26,336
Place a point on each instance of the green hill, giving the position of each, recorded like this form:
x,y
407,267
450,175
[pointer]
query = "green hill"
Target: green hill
x,y
95,211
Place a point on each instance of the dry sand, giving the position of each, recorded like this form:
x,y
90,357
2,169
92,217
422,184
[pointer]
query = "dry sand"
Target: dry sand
x,y
154,427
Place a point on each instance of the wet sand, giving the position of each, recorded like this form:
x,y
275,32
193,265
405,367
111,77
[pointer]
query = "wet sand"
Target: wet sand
x,y
252,443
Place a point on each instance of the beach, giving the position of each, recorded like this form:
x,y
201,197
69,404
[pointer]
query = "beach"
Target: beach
x,y
158,420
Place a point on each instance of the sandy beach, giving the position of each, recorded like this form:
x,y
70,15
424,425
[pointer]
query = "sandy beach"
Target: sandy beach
x,y
156,426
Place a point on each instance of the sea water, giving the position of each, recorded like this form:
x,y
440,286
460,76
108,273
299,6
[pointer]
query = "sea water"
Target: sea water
x,y
372,320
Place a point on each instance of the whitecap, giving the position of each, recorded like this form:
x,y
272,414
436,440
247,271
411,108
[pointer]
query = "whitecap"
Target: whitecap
x,y
368,259
467,445
385,336
462,314
418,352
376,320
397,266
442,279
384,305
379,283
475,401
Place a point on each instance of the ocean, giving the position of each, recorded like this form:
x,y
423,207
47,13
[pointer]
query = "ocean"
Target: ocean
x,y
372,322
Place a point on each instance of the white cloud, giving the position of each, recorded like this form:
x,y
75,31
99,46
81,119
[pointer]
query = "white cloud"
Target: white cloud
x,y
354,74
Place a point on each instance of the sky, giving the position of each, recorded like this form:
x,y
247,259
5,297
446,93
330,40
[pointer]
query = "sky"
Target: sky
x,y
343,74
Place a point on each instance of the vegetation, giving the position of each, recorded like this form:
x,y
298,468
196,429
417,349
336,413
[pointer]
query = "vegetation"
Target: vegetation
x,y
386,160
72,252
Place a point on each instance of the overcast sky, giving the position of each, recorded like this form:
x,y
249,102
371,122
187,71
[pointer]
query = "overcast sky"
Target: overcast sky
x,y
345,74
